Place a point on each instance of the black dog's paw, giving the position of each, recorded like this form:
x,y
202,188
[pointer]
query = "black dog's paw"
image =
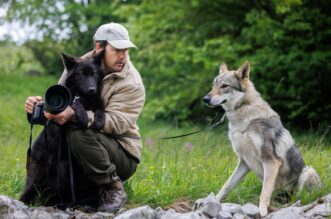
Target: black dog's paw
x,y
81,114
99,119
24,199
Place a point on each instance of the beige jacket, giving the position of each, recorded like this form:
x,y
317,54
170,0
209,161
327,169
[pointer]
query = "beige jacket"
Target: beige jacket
x,y
123,94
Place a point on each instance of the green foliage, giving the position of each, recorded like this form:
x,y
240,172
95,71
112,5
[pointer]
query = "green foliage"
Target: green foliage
x,y
290,62
185,168
182,43
18,60
285,41
65,26
14,128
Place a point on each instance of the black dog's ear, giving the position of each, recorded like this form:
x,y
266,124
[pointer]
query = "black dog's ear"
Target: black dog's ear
x,y
99,57
68,61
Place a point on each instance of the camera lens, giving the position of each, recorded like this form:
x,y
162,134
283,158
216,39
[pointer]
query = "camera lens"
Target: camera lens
x,y
56,101
57,98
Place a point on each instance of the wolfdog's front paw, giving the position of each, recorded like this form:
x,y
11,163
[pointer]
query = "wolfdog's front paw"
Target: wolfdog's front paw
x,y
263,211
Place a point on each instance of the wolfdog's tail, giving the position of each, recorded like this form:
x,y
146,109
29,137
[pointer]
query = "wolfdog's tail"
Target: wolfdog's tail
x,y
309,178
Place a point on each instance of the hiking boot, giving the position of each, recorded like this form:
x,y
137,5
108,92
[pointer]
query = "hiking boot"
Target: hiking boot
x,y
112,196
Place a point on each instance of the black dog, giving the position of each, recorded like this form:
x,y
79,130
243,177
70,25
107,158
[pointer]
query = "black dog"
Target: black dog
x,y
47,164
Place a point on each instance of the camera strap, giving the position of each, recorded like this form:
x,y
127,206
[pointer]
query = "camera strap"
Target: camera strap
x,y
28,153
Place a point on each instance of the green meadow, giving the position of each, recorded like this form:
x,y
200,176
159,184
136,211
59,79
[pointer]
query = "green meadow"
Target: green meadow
x,y
172,170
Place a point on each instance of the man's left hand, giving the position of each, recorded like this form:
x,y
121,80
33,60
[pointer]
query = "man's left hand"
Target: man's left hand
x,y
67,115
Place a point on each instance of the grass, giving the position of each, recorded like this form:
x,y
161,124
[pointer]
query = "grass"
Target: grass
x,y
170,170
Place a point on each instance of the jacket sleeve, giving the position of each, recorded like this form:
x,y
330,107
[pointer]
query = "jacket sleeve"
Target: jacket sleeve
x,y
122,109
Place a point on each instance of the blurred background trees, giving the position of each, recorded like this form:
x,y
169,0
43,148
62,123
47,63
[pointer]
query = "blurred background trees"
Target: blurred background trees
x,y
182,43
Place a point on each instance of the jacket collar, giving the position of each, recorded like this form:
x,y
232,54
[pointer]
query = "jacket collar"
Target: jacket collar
x,y
121,74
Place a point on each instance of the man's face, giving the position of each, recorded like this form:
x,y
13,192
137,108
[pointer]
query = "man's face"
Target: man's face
x,y
114,58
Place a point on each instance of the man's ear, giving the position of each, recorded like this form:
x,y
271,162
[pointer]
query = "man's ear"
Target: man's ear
x,y
99,57
68,61
243,71
223,68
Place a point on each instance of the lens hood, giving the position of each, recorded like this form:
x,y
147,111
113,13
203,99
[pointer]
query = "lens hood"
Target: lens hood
x,y
57,99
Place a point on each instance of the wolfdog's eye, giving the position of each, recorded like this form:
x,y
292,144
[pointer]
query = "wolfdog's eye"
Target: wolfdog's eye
x,y
224,86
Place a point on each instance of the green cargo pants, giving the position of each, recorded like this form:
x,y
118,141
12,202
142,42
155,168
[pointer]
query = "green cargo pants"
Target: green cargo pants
x,y
100,155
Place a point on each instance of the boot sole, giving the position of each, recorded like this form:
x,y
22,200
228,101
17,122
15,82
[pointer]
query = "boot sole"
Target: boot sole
x,y
115,210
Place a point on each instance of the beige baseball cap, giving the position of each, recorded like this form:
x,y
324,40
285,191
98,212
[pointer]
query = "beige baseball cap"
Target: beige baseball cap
x,y
115,34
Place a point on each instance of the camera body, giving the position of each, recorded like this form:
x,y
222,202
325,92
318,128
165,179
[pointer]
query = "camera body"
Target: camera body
x,y
38,113
57,98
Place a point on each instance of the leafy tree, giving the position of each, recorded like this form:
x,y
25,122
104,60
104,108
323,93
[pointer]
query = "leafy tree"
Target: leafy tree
x,y
65,26
182,43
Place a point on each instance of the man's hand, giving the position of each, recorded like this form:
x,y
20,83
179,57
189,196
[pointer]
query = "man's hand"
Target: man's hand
x,y
67,115
30,102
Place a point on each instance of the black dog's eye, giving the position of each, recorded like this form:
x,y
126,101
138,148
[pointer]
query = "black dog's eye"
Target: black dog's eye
x,y
224,86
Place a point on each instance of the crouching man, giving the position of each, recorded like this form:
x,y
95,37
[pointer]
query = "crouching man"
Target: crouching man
x,y
110,155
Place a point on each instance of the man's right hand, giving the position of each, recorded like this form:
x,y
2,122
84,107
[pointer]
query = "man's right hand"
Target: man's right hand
x,y
30,102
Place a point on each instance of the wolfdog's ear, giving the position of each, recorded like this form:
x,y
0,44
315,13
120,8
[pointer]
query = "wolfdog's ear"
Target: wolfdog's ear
x,y
223,68
243,71
99,57
68,61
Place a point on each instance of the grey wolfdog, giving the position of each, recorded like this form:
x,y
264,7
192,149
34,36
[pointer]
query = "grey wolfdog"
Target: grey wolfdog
x,y
258,138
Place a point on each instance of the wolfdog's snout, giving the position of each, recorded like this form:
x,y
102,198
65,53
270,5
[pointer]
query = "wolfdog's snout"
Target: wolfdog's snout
x,y
206,99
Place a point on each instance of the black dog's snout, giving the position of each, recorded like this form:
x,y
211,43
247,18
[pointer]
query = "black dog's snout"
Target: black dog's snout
x,y
91,90
206,99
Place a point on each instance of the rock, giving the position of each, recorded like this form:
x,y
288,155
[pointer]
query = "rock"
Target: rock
x,y
231,208
40,214
102,215
320,210
223,215
289,213
251,210
12,209
144,212
198,204
172,214
61,215
19,214
327,198
240,216
210,206
205,208
297,204
211,209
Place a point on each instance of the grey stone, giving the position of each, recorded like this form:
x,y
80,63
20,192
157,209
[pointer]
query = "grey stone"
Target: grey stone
x,y
81,215
297,204
61,215
211,208
102,215
205,208
200,203
232,208
223,215
144,212
40,214
289,213
321,209
240,216
19,214
327,198
251,210
171,214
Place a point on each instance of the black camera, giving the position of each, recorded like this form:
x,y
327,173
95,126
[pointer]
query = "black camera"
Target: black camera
x,y
57,98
